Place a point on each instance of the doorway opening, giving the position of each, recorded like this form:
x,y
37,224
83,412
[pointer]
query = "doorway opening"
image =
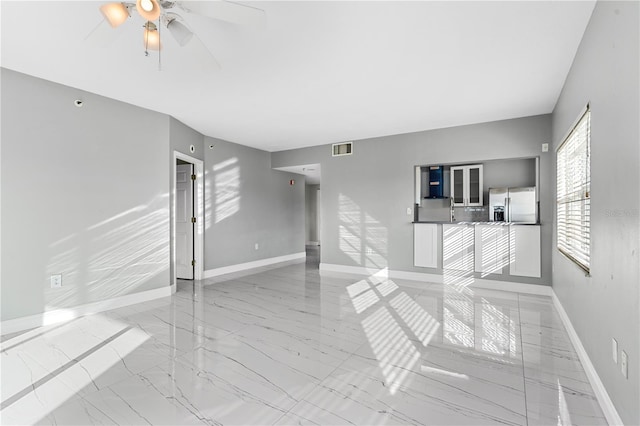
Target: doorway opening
x,y
187,218
312,222
312,209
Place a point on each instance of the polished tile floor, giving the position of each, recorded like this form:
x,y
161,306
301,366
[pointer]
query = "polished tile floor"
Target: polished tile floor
x,y
290,346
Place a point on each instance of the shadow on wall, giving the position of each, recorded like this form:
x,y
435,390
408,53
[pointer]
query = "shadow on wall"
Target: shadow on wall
x,y
129,250
222,192
361,237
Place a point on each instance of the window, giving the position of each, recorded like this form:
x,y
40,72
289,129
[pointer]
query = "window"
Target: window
x,y
573,193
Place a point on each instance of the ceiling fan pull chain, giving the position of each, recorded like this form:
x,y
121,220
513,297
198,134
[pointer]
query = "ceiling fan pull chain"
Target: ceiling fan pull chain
x,y
159,48
146,39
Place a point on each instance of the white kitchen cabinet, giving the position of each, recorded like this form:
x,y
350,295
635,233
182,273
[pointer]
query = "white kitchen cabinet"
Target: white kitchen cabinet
x,y
425,245
458,247
491,248
524,250
466,185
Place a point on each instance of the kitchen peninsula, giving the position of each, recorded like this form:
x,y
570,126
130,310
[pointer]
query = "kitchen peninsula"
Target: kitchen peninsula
x,y
453,230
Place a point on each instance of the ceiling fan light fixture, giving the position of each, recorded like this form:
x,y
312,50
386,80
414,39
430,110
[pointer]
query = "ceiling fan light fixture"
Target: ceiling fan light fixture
x,y
179,31
148,9
151,37
115,13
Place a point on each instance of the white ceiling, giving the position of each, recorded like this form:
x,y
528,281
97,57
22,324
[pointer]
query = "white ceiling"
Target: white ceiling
x,y
320,72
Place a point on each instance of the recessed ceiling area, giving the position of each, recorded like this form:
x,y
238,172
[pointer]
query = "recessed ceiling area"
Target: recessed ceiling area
x,y
312,172
317,72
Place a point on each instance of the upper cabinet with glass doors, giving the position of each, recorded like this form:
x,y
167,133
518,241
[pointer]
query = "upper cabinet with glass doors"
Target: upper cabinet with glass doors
x,y
466,185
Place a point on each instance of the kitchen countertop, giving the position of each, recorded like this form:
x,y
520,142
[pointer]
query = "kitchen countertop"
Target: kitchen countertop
x,y
446,222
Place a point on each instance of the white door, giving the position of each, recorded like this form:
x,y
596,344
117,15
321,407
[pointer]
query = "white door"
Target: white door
x,y
458,247
425,245
524,250
318,216
491,248
184,226
474,185
458,184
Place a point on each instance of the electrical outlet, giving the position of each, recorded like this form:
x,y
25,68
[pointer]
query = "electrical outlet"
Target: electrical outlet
x,y
614,350
256,246
56,281
545,147
623,364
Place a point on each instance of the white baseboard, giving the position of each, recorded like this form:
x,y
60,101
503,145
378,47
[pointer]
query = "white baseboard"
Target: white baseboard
x,y
536,289
62,315
251,265
358,270
610,412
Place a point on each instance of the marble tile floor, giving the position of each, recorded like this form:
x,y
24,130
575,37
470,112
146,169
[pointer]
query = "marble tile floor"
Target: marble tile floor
x,y
288,345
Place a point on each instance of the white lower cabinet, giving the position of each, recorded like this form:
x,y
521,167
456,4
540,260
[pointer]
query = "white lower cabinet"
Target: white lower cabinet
x,y
425,245
491,248
482,248
524,250
458,247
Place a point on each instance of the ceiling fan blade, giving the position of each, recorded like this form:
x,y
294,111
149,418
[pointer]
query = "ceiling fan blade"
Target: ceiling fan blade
x,y
234,13
102,35
197,49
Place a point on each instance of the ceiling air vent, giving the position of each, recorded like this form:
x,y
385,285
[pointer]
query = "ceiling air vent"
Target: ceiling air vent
x,y
340,149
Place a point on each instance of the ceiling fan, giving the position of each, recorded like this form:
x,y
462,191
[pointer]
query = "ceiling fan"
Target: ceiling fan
x,y
169,15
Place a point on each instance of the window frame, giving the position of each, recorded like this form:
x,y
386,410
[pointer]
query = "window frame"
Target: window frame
x,y
580,195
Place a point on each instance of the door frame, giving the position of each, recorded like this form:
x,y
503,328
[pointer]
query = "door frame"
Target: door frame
x,y
198,201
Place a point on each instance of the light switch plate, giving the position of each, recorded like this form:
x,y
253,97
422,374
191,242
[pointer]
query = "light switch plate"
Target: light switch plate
x,y
545,147
614,350
409,211
623,364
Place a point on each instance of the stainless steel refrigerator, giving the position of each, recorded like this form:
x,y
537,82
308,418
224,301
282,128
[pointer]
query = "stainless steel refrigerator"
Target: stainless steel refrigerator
x,y
516,205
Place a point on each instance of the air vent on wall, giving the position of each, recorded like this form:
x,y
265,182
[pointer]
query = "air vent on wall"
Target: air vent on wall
x,y
340,149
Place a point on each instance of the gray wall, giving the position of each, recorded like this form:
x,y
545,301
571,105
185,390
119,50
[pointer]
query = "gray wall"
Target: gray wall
x,y
92,200
246,203
181,137
511,173
84,194
606,304
365,196
311,213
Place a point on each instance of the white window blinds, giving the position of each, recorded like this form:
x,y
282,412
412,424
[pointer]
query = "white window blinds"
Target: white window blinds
x,y
573,194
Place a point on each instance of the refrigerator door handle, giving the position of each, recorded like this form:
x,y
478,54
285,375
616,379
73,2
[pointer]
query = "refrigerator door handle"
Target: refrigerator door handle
x,y
507,209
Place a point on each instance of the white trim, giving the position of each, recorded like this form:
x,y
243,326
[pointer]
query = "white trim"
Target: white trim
x,y
63,315
537,289
573,125
358,270
312,243
255,264
609,410
198,237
